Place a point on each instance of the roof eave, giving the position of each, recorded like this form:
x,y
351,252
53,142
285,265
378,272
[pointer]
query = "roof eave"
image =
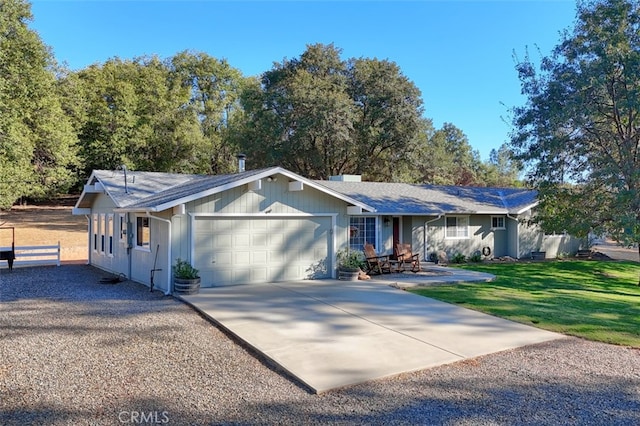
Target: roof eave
x,y
493,212
239,182
526,208
136,210
84,194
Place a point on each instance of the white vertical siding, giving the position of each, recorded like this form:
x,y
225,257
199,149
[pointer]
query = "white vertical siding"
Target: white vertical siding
x,y
115,263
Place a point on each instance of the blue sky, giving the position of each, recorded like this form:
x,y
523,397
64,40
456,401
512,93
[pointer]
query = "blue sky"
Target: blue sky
x,y
458,53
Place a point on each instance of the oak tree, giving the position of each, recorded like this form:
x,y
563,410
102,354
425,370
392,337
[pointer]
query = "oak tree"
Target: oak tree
x,y
37,142
579,131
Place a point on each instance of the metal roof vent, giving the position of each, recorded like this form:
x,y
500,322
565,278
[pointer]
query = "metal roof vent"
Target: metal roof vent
x,y
241,162
124,171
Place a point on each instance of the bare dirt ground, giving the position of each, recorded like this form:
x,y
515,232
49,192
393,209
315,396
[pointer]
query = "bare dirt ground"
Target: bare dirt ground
x,y
615,251
46,225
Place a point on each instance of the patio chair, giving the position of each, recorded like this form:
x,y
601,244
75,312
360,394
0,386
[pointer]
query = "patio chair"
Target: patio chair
x,y
407,258
375,263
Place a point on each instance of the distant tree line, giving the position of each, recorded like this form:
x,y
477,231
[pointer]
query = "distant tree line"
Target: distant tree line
x,y
317,115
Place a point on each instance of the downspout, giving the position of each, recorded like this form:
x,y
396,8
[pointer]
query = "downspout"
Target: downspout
x,y
517,235
129,244
426,231
168,222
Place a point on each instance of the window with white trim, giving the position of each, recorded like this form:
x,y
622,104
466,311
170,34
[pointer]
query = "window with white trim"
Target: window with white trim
x,y
457,227
143,233
362,229
110,234
95,232
497,222
103,228
122,229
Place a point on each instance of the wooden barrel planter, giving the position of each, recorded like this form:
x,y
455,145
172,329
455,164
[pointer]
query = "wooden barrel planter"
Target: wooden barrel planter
x,y
348,274
186,285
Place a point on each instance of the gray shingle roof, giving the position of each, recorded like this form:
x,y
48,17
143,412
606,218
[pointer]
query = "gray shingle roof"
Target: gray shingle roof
x,y
405,199
158,191
152,189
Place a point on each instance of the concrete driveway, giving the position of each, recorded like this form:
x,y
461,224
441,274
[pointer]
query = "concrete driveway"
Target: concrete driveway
x,y
331,334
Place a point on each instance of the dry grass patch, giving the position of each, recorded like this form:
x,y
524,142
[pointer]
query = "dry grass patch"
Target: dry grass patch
x,y
46,225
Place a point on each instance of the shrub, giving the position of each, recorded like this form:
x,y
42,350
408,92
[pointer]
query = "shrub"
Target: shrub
x,y
350,258
476,257
184,270
458,258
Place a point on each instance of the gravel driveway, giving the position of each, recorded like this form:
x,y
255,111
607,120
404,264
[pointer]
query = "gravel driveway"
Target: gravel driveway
x,y
74,351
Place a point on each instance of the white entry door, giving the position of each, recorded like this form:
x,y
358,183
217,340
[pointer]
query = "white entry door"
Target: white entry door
x,y
249,250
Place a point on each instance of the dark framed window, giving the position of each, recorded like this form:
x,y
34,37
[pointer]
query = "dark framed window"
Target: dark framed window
x,y
123,229
143,233
110,234
95,232
497,222
103,229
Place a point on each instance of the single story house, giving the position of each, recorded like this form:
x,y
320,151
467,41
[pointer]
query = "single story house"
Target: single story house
x,y
275,225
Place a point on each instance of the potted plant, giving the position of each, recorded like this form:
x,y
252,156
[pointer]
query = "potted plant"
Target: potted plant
x,y
185,278
350,263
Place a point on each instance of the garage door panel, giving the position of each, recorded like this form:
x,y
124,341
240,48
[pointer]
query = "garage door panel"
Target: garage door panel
x,y
222,258
202,239
258,225
219,277
260,275
249,250
221,225
259,257
275,225
241,257
221,240
291,272
276,240
242,240
260,240
276,257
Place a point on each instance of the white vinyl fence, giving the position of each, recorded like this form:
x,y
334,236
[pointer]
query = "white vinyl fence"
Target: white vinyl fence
x,y
34,255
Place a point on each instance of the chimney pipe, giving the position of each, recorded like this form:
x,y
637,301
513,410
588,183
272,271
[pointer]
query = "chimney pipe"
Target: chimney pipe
x,y
241,162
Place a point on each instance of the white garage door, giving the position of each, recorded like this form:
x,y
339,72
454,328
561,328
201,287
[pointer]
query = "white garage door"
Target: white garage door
x,y
247,250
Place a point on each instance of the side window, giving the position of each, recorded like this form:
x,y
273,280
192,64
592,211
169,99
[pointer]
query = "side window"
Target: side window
x,y
95,230
103,228
457,227
110,235
497,222
143,233
122,228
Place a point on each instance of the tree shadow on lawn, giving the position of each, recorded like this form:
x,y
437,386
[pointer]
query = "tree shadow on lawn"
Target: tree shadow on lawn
x,y
575,297
611,277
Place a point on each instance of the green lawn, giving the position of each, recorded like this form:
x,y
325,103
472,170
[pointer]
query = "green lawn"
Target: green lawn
x,y
594,300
